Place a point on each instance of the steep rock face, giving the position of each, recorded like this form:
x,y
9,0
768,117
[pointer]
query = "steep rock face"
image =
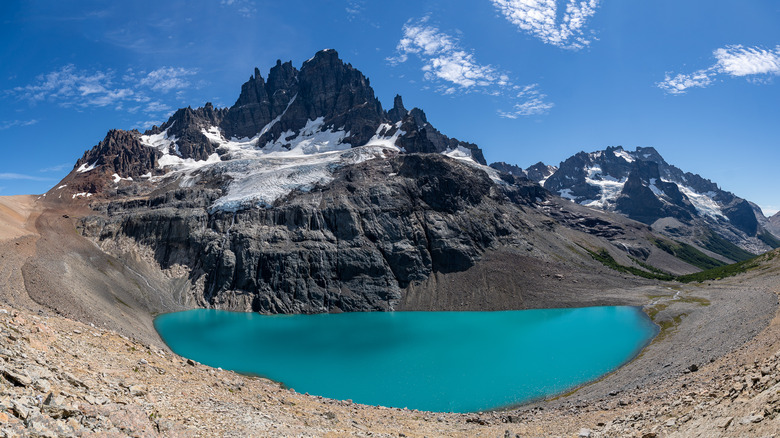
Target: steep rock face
x,y
121,152
774,224
510,169
186,126
539,172
352,245
421,136
647,198
643,186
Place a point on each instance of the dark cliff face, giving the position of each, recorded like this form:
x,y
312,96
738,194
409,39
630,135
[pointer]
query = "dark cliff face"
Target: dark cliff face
x,y
646,198
352,245
122,152
421,136
540,172
510,169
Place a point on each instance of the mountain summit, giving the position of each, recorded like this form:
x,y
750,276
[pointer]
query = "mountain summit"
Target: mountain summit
x,y
327,106
643,186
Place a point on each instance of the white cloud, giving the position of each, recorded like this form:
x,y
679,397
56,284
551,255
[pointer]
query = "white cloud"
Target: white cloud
x,y
57,168
532,102
678,84
743,61
245,8
19,176
754,63
443,59
456,70
166,79
71,87
355,8
540,19
14,123
144,125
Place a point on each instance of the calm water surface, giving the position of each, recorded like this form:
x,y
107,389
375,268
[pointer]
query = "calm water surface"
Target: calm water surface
x,y
439,361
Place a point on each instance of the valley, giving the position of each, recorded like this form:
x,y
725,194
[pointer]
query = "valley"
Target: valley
x,y
307,197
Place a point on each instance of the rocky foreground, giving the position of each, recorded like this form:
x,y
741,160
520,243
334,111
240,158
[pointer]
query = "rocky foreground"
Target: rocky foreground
x,y
65,378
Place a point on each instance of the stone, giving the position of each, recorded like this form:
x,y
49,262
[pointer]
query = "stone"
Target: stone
x,y
17,379
724,422
584,433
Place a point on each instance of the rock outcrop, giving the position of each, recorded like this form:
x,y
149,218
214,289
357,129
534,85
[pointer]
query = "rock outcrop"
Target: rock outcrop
x,y
352,245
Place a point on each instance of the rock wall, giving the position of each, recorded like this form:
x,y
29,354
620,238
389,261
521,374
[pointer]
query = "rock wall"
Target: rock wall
x,y
352,245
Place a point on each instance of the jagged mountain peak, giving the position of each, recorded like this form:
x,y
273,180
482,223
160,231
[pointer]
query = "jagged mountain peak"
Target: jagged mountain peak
x,y
327,106
643,186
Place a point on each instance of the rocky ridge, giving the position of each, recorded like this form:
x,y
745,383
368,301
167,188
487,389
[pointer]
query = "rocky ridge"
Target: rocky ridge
x,y
643,186
326,96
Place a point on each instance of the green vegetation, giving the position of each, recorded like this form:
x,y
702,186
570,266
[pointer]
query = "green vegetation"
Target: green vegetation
x,y
650,268
603,256
769,239
688,254
716,273
728,270
721,246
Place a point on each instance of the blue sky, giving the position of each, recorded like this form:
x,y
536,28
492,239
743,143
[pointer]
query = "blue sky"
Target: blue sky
x,y
527,80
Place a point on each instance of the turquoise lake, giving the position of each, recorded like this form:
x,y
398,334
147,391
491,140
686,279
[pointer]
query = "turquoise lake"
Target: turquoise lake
x,y
437,361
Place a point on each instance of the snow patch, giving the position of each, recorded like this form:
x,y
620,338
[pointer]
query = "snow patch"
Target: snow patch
x,y
459,153
620,153
86,168
62,186
262,181
654,188
171,157
81,195
705,205
566,193
116,178
310,140
160,141
381,139
609,187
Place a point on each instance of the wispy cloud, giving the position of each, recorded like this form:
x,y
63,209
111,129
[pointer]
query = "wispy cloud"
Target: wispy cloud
x,y
540,19
57,168
133,91
455,70
20,176
245,8
754,63
166,79
144,125
14,123
532,102
355,8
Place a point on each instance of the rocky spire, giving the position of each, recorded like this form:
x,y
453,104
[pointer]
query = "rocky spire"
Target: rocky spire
x,y
398,112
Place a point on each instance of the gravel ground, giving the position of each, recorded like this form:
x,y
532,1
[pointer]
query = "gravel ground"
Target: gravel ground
x,y
712,371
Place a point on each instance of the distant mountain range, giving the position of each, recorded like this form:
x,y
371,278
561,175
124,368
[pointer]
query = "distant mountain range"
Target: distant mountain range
x,y
640,184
